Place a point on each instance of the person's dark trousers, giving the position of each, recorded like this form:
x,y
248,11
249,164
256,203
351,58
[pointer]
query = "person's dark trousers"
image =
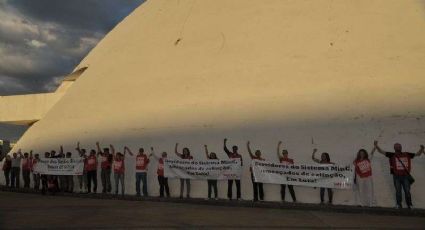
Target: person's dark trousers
x,y
399,183
163,185
105,175
70,183
230,189
92,177
141,176
63,183
182,182
258,189
7,177
14,176
212,185
43,184
322,195
36,179
291,191
26,174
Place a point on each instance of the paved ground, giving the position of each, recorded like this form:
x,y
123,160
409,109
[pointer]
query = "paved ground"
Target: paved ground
x,y
33,211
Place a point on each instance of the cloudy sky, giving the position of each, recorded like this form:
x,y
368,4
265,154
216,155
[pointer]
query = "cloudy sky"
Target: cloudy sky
x,y
43,40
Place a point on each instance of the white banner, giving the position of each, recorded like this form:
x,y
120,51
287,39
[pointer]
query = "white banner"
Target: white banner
x,y
203,170
319,175
60,166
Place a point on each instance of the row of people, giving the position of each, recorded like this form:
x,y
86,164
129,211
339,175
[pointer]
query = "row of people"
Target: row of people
x,y
112,161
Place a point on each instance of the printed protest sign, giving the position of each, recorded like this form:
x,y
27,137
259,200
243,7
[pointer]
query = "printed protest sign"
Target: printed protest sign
x,y
60,166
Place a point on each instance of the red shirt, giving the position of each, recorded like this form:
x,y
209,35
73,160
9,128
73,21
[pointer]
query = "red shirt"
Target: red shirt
x,y
286,161
26,164
119,166
363,168
396,166
91,163
142,162
160,170
105,161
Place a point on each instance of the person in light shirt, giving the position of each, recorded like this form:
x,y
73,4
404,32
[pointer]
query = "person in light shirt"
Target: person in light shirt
x,y
284,159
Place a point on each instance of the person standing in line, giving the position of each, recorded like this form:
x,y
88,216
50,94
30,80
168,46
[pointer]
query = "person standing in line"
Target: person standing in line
x,y
363,178
26,169
35,176
44,178
105,168
119,169
324,159
162,180
185,156
69,178
63,181
16,168
91,169
82,179
257,187
142,161
7,167
212,183
233,155
400,166
284,159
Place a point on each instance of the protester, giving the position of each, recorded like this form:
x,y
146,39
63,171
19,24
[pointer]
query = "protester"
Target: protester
x,y
324,159
142,161
105,168
185,156
163,181
256,186
16,168
44,178
363,178
69,178
91,170
82,179
212,183
119,169
286,161
36,176
400,166
7,167
26,169
233,155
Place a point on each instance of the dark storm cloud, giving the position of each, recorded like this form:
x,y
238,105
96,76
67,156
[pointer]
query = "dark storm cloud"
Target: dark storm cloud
x,y
43,40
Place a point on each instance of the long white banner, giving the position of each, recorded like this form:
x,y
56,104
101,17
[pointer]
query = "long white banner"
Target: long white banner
x,y
60,166
203,170
326,176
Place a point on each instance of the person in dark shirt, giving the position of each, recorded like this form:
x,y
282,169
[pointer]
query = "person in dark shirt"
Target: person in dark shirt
x,y
185,156
233,155
7,167
212,183
324,159
400,166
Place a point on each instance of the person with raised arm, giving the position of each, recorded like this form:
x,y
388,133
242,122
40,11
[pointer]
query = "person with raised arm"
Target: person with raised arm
x,y
91,169
36,176
363,178
44,178
284,159
82,179
7,167
212,183
142,161
400,166
256,186
105,168
119,169
26,169
63,181
69,178
162,180
324,159
233,155
16,168
185,156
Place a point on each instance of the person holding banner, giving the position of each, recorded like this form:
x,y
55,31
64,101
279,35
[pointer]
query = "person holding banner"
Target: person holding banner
x,y
324,159
91,169
233,155
363,177
257,187
44,178
105,168
163,181
26,169
400,166
142,162
286,161
69,178
212,184
185,156
119,169
82,179
35,176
